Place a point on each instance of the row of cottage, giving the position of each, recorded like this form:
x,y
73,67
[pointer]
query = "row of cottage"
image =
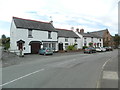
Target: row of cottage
x,y
32,35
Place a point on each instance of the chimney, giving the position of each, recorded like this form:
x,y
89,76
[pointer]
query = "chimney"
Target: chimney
x,y
81,30
51,22
77,30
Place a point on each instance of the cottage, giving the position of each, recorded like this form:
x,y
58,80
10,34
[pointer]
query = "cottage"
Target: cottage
x,y
88,38
31,35
66,38
106,36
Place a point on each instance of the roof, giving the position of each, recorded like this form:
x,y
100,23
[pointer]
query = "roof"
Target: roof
x,y
99,33
66,33
90,35
33,24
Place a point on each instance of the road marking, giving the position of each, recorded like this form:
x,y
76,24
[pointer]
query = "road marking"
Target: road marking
x,y
22,77
98,82
111,75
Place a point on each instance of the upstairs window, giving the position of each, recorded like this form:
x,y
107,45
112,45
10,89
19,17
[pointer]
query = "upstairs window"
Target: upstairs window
x,y
66,39
49,35
75,39
91,39
100,40
30,33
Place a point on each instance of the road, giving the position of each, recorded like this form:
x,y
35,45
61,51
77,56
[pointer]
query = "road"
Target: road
x,y
67,71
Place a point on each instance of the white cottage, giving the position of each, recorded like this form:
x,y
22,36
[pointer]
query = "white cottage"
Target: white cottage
x,y
89,38
32,35
66,38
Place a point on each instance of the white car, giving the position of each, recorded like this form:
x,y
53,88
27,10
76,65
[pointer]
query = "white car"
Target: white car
x,y
100,49
103,49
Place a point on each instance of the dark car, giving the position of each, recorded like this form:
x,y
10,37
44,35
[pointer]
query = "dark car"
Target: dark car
x,y
109,48
90,50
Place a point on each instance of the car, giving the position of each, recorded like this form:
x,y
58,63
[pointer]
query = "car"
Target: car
x,y
46,51
103,49
90,50
98,49
109,48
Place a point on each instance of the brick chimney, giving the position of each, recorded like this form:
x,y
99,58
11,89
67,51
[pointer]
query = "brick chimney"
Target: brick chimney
x,y
81,30
77,30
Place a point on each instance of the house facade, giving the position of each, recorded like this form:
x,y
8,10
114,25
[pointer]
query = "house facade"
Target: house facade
x,y
30,35
88,38
106,36
66,38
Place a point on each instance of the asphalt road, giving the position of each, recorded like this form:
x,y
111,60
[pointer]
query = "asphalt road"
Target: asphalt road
x,y
67,71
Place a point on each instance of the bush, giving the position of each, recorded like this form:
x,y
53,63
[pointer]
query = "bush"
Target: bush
x,y
71,47
85,47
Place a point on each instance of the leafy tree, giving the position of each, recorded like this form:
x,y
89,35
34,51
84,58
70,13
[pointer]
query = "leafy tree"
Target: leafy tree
x,y
91,44
116,39
5,42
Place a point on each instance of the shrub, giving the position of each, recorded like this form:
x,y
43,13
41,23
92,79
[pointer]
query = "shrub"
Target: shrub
x,y
71,47
85,47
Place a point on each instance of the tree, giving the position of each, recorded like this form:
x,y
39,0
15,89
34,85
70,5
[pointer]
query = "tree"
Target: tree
x,y
91,44
116,39
5,42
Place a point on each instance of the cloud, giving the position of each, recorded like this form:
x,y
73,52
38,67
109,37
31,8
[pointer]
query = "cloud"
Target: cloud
x,y
90,14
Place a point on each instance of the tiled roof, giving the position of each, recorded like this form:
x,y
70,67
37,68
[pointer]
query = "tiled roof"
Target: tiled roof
x,y
90,35
33,24
99,33
66,33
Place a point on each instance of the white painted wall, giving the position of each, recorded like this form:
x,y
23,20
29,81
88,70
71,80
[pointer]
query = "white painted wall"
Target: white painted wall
x,y
88,39
71,41
17,34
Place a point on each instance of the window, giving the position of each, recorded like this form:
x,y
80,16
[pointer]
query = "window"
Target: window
x,y
66,39
49,35
85,44
66,45
75,39
30,33
45,45
54,46
91,39
100,40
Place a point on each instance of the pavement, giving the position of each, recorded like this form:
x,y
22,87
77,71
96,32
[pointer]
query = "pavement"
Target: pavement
x,y
73,70
109,75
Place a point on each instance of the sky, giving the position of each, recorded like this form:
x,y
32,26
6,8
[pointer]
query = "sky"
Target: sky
x,y
91,15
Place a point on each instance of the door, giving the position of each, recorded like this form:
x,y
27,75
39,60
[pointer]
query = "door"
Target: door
x,y
35,47
20,46
60,46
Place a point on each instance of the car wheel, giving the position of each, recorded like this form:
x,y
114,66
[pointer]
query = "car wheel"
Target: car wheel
x,y
44,54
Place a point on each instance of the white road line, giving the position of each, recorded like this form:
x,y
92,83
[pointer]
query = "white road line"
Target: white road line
x,y
98,83
22,77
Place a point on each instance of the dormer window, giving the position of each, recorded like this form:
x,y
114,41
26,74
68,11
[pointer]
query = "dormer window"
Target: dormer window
x,y
49,35
30,33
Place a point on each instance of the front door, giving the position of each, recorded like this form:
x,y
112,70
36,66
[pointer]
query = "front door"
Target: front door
x,y
60,46
20,46
35,47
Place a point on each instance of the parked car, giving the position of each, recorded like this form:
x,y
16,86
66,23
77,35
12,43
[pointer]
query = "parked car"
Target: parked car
x,y
103,49
90,50
100,49
46,51
109,48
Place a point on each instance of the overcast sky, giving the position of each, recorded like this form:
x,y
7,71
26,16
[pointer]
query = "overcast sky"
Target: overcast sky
x,y
92,15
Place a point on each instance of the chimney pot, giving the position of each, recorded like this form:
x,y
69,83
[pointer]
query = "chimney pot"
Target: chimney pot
x,y
81,30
